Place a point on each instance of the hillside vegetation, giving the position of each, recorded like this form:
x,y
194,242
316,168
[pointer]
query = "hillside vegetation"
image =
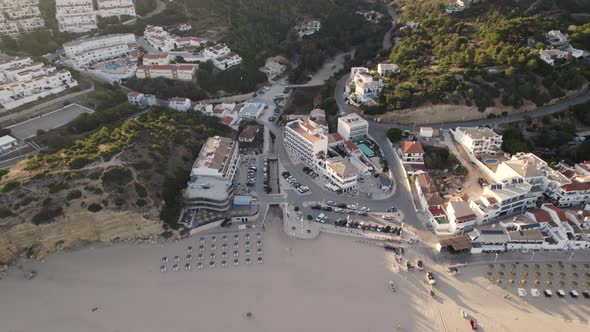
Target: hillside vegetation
x,y
485,56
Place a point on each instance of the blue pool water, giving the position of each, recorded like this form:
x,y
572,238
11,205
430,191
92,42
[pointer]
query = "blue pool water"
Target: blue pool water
x,y
365,149
112,66
490,161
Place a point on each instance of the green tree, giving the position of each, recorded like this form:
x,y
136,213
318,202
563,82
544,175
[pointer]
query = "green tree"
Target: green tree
x,y
394,134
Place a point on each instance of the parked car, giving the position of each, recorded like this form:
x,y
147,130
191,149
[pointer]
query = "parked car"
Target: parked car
x,y
316,207
327,208
387,217
331,203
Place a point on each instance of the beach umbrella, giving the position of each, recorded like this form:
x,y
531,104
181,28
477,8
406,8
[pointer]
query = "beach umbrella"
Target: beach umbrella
x,y
536,282
490,266
224,238
259,243
548,266
212,255
259,260
574,275
537,274
489,273
200,256
236,245
525,275
248,261
490,278
574,283
259,251
224,254
213,247
522,282
247,236
560,265
211,264
235,262
258,235
249,315
224,246
500,274
536,266
498,282
199,265
502,266
512,266
561,283
213,239
189,249
189,257
548,283
223,263
512,274
524,267
247,244
235,253
561,275
236,236
293,228
573,266
510,282
202,240
201,248
247,252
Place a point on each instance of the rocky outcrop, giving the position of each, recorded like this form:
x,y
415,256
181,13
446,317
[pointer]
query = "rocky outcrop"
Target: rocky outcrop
x,y
72,230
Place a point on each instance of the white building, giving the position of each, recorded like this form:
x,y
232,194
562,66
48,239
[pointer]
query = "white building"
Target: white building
x,y
108,8
216,51
151,59
308,28
274,67
341,173
7,142
211,180
251,111
426,132
461,217
75,15
557,38
501,200
306,139
83,53
384,69
180,104
135,97
361,88
352,127
226,61
17,16
552,56
478,141
174,72
15,94
411,152
158,38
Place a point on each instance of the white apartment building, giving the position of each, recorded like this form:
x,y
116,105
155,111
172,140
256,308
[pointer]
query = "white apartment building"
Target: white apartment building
x,y
30,24
308,28
8,28
226,61
352,127
7,142
576,193
501,200
411,152
478,141
135,97
216,51
18,16
158,38
341,173
384,69
174,72
361,87
557,38
274,67
180,104
75,15
151,59
85,52
306,139
461,217
107,8
15,94
552,56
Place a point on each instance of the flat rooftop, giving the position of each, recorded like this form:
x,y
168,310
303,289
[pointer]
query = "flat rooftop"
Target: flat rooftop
x,y
214,152
209,187
479,133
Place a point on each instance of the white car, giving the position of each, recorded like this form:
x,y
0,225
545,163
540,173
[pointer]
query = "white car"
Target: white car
x,y
387,217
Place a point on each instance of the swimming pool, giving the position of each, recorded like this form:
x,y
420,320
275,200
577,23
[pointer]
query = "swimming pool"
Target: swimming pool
x,y
112,66
366,150
490,161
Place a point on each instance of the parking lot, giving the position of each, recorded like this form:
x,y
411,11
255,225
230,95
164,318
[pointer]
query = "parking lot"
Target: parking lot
x,y
294,183
246,176
48,121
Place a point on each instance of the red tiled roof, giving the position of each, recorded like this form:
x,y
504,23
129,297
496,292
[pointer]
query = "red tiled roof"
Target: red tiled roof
x,y
337,137
133,94
350,146
558,211
576,186
227,120
436,211
321,122
411,147
540,215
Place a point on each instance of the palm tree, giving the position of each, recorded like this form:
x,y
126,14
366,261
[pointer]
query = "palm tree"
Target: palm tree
x,y
561,275
561,283
500,274
548,266
522,282
512,274
536,282
512,266
502,266
548,283
537,274
574,275
511,282
498,282
525,275
548,275
537,267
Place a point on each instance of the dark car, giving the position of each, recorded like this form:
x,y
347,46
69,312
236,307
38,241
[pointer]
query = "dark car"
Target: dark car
x,y
327,208
286,174
342,205
306,169
316,207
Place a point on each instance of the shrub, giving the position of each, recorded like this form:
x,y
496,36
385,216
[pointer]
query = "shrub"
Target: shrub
x,y
309,217
394,134
10,186
26,201
74,194
55,187
5,213
46,215
117,176
141,202
94,207
79,162
3,171
140,190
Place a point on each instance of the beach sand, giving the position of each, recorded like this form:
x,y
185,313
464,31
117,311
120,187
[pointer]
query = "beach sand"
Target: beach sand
x,y
330,283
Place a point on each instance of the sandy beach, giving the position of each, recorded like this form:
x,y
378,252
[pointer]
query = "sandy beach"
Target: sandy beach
x,y
328,284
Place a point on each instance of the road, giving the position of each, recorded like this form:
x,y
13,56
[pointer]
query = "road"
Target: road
x,y
387,38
